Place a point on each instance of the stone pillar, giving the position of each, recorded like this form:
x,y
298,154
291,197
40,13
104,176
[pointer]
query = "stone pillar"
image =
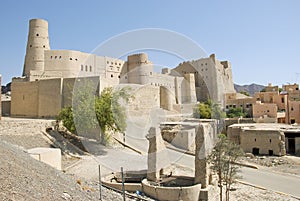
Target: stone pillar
x,y
157,155
204,141
282,144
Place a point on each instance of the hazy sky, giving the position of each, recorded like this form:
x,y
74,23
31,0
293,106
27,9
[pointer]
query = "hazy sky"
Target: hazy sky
x,y
261,38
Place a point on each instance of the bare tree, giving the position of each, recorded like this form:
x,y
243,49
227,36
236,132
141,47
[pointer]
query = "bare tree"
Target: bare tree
x,y
223,161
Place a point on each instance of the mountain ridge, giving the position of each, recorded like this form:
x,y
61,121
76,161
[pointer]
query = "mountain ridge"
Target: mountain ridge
x,y
249,88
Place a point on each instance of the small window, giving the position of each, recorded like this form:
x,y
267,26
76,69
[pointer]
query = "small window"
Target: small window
x,y
86,68
292,109
90,68
111,75
71,59
150,73
44,46
120,77
107,62
51,57
37,34
115,63
76,59
55,57
30,45
81,67
270,140
111,63
119,64
282,100
59,57
254,139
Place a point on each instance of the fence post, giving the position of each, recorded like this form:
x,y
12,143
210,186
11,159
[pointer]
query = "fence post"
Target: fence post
x,y
100,183
123,186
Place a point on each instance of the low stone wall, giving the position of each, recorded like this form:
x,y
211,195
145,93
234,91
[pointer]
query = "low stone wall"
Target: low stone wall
x,y
110,181
50,156
186,193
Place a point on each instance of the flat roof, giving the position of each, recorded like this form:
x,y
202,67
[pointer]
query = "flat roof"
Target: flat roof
x,y
267,126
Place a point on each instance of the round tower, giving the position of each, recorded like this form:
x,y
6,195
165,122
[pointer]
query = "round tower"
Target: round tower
x,y
139,68
38,41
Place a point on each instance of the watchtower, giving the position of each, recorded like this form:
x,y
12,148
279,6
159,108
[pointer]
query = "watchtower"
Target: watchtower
x,y
139,68
37,43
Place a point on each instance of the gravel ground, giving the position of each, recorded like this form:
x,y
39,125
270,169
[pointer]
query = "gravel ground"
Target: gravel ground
x,y
243,192
24,178
14,131
286,164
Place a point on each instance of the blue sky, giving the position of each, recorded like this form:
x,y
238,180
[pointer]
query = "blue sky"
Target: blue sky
x,y
261,38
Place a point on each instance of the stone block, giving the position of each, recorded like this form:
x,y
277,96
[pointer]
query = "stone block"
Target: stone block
x,y
50,156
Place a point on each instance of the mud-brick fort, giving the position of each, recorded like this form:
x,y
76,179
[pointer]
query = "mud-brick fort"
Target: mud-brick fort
x,y
48,78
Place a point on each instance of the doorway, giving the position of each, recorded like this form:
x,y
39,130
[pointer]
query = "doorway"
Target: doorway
x,y
291,145
255,151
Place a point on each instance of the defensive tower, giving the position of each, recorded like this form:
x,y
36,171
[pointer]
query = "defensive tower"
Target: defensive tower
x,y
38,41
139,68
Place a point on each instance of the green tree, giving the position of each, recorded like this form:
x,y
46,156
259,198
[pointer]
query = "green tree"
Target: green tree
x,y
223,160
90,110
83,103
245,93
66,116
217,112
263,90
111,115
208,110
202,111
80,118
236,112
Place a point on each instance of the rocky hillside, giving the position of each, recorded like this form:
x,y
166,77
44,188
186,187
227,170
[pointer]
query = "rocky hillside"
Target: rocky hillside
x,y
6,88
24,178
251,89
